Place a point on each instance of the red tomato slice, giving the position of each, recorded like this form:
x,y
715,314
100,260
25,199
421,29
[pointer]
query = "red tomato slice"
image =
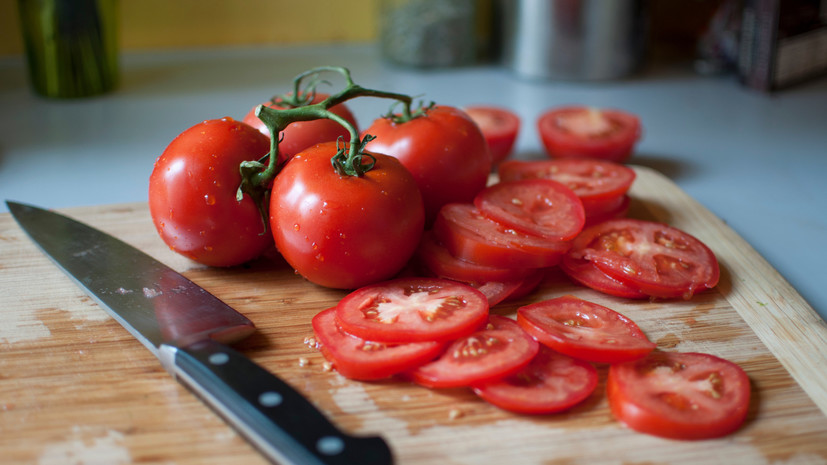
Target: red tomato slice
x,y
413,310
498,291
584,330
679,395
480,357
551,383
657,259
438,260
591,180
357,358
470,235
499,126
581,132
585,273
529,284
540,207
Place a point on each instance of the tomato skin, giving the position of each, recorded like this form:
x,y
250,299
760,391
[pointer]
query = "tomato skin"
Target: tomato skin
x,y
582,132
663,395
192,194
345,231
478,358
500,127
356,358
657,259
551,383
300,135
584,330
413,310
444,150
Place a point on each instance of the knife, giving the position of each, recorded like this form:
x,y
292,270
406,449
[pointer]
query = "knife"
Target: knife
x,y
188,329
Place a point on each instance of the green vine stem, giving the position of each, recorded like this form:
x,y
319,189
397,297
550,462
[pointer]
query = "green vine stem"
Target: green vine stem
x,y
349,160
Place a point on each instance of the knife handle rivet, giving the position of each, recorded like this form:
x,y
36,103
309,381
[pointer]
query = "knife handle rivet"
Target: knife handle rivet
x,y
270,399
330,445
219,358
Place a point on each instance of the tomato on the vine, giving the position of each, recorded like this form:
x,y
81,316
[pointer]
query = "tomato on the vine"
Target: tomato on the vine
x,y
499,126
589,133
443,149
345,231
679,395
192,194
300,135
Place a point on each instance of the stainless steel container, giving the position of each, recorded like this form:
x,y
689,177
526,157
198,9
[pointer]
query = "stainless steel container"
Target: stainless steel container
x,y
573,39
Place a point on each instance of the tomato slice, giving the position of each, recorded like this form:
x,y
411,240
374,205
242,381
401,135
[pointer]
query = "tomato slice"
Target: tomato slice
x,y
439,261
679,395
470,235
585,273
499,126
357,358
598,215
498,291
477,358
655,258
591,180
584,330
580,132
539,207
551,383
412,310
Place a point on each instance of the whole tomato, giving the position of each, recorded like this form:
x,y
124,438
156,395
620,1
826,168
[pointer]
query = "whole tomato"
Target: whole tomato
x,y
192,194
300,135
444,150
343,231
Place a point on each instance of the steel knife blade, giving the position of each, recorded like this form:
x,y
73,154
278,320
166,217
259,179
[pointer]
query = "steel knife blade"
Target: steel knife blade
x,y
188,329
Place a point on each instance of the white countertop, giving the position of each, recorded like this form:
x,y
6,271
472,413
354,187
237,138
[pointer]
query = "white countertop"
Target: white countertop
x,y
756,161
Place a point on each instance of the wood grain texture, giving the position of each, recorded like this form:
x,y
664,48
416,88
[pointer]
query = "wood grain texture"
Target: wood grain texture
x,y
75,387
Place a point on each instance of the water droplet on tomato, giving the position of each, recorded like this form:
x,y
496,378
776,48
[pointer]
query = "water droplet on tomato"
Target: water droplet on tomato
x,y
320,257
296,227
208,248
209,199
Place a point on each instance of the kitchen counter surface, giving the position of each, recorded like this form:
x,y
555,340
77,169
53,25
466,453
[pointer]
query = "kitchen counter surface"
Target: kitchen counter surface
x,y
756,161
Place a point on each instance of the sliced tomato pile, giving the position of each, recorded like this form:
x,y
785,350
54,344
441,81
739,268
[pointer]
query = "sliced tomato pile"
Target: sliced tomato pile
x,y
651,258
601,185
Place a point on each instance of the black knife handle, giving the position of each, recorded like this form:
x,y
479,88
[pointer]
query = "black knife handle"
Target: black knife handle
x,y
278,420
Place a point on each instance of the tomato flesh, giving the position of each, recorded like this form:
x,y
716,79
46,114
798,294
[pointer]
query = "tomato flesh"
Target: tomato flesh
x,y
582,132
413,310
679,395
499,126
586,273
584,330
477,358
657,259
539,207
436,258
551,383
357,358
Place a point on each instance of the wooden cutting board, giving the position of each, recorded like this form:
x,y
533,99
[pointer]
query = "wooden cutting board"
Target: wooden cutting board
x,y
76,388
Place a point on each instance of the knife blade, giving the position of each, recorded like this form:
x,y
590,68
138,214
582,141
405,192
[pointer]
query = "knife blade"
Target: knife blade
x,y
189,330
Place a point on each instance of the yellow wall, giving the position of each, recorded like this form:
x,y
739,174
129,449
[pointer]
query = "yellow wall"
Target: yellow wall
x,y
164,24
